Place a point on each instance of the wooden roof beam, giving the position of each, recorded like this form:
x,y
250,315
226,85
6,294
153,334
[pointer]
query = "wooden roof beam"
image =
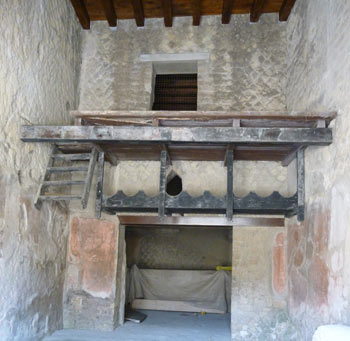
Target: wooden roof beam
x,y
256,10
285,10
110,12
196,12
226,11
138,12
82,13
168,13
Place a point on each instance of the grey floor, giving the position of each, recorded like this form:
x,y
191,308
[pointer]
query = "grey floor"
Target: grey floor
x,y
159,326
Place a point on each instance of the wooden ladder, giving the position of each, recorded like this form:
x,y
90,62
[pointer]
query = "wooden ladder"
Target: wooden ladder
x,y
71,168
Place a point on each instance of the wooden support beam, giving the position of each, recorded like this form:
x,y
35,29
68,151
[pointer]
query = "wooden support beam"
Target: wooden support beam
x,y
256,10
227,6
138,12
229,193
168,13
196,12
201,135
285,10
175,221
290,157
90,173
99,187
82,13
162,182
110,12
301,183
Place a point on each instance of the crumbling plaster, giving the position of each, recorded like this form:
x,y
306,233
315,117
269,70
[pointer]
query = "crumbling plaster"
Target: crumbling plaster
x,y
39,58
319,249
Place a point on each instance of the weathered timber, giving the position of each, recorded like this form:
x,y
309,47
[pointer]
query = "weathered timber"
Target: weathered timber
x,y
211,135
290,157
59,197
257,10
285,10
226,11
301,183
229,194
138,12
191,222
67,169
162,182
99,186
80,10
89,176
196,12
111,16
72,157
63,183
168,13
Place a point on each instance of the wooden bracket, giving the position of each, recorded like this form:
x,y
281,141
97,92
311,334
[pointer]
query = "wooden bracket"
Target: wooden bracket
x,y
229,194
99,187
301,182
162,182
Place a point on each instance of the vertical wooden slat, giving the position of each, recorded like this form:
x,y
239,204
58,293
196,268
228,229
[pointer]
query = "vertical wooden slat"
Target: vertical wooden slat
x,y
110,12
168,13
285,10
226,11
229,195
196,12
82,13
162,182
99,187
301,182
138,12
256,10
86,192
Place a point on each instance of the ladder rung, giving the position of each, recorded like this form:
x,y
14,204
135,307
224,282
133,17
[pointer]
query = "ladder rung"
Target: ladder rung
x,y
67,169
59,197
63,183
72,157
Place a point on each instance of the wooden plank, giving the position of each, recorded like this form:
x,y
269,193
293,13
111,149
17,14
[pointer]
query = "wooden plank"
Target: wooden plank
x,y
59,197
80,10
67,169
257,10
168,13
196,15
90,173
162,305
207,135
162,182
226,11
72,157
63,183
138,12
229,193
286,8
301,183
110,12
146,221
99,186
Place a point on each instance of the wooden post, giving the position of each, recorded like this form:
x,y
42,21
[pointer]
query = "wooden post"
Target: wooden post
x,y
99,187
301,182
162,182
229,195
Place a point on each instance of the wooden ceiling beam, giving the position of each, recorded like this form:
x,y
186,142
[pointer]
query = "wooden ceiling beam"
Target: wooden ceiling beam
x,y
256,10
110,12
138,12
196,12
168,13
227,6
285,10
82,13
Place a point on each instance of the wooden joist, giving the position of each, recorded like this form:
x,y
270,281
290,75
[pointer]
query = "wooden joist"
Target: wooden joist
x,y
110,12
226,11
82,13
257,10
206,135
285,10
196,12
168,13
138,12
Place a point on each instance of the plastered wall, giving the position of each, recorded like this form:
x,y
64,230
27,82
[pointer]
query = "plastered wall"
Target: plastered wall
x,y
319,249
39,66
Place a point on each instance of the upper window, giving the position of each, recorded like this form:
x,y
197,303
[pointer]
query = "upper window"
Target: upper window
x,y
175,92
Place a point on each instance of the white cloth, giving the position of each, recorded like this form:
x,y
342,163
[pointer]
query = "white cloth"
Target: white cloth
x,y
202,288
332,333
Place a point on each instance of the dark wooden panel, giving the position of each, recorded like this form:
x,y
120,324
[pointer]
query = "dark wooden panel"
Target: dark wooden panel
x,y
82,13
168,13
108,6
257,10
138,12
196,12
226,11
285,10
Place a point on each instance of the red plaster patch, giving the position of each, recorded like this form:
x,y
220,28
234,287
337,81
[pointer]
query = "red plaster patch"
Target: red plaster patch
x,y
279,266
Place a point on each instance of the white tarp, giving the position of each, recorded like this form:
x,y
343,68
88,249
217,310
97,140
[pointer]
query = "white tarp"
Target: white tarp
x,y
202,288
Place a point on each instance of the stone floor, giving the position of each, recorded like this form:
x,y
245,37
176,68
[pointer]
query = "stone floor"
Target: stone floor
x,y
159,326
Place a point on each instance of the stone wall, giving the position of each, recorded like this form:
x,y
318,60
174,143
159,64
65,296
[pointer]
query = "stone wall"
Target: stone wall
x,y
245,70
319,249
39,58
